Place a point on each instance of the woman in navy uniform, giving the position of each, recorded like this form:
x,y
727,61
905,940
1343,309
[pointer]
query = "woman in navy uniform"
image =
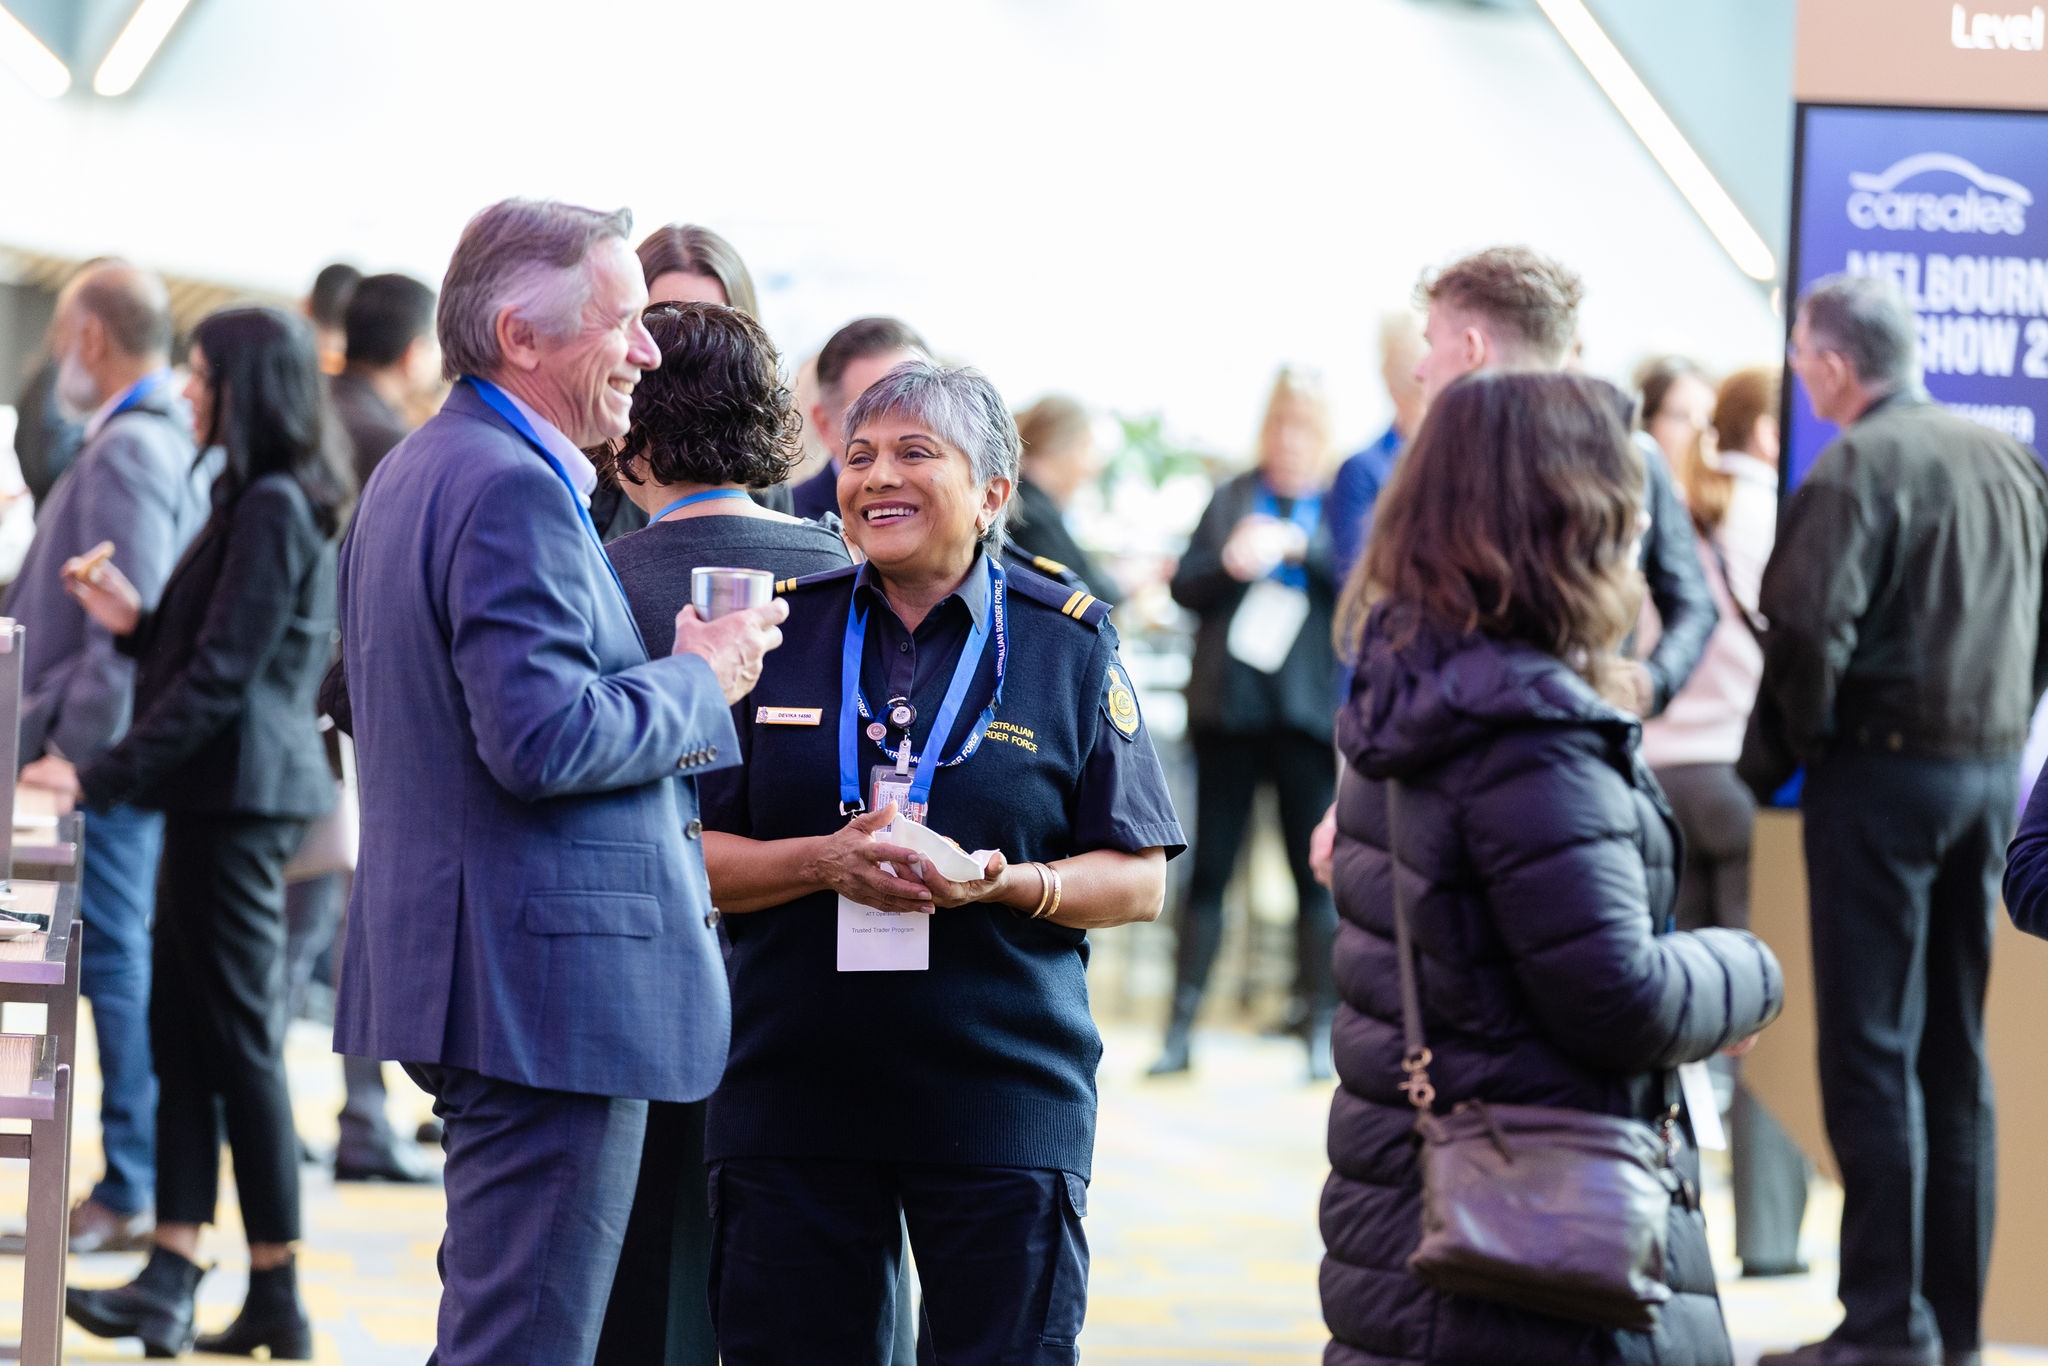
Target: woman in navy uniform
x,y
907,1047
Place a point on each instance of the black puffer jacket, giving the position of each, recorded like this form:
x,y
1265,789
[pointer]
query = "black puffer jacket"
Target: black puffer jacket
x,y
1549,858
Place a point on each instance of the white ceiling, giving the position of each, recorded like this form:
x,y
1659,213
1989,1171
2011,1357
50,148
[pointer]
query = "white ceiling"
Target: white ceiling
x,y
1150,205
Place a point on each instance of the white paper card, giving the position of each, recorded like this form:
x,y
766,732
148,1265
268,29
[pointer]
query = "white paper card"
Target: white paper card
x,y
1700,1103
883,941
1263,630
947,858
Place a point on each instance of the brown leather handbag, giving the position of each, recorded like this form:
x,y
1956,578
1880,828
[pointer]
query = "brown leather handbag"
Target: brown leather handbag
x,y
1561,1211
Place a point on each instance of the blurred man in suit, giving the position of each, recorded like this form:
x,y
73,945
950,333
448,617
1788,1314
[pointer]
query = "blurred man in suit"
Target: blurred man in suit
x,y
132,484
859,354
531,931
393,362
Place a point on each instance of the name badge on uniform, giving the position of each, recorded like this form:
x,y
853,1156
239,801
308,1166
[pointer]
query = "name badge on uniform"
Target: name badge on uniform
x,y
789,716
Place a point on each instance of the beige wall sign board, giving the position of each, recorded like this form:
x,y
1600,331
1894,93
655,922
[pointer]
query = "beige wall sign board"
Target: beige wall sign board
x,y
1933,53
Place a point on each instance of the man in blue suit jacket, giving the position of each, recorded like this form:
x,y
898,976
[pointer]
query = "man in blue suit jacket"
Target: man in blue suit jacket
x,y
531,931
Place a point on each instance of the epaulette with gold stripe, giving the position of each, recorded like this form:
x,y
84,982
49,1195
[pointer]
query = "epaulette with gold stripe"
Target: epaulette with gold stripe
x,y
1076,603
783,586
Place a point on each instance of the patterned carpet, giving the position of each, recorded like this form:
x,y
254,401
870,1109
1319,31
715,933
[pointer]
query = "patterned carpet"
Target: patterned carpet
x,y
1202,1220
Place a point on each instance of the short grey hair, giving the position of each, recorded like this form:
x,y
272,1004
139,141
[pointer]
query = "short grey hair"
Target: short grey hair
x,y
529,255
963,410
1867,320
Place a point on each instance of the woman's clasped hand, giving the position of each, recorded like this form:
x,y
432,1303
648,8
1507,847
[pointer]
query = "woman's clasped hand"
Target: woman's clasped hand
x,y
861,865
862,868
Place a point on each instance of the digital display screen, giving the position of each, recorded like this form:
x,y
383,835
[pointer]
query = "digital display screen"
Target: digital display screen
x,y
1953,206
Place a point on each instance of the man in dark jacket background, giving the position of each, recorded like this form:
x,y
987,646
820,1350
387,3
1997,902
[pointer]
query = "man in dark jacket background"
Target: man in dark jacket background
x,y
1901,667
393,364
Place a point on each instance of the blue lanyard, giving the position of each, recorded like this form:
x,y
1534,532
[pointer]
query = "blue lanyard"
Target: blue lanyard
x,y
1305,514
137,392
706,496
851,701
501,404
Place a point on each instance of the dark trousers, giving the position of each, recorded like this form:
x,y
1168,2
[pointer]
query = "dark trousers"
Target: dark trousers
x,y
806,1255
1228,771
313,915
660,1309
117,897
1904,858
539,1187
1718,816
217,1022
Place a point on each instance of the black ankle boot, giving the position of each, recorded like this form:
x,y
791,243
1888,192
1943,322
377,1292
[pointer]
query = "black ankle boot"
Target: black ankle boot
x,y
272,1316
1173,1058
156,1306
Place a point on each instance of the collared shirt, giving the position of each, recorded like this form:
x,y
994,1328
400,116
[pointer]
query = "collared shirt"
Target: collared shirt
x,y
574,462
105,413
901,662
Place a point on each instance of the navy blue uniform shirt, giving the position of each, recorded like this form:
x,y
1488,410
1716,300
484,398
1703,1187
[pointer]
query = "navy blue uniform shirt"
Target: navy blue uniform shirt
x,y
988,1057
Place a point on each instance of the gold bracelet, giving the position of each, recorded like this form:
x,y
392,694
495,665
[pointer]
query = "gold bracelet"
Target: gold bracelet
x,y
1045,912
1045,885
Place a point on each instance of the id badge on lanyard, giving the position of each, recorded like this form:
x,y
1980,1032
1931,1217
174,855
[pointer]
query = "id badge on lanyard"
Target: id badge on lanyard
x,y
886,785
869,940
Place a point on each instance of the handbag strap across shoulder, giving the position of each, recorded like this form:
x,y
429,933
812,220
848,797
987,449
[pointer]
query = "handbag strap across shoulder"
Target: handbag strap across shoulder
x,y
1415,1055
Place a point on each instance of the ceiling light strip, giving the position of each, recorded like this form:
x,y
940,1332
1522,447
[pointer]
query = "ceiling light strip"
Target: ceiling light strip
x,y
131,53
1597,52
24,54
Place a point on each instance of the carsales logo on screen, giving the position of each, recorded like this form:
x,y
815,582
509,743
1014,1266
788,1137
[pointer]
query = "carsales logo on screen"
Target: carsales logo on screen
x,y
1937,192
1953,207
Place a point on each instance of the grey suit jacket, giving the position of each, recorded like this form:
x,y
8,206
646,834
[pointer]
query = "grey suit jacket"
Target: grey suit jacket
x,y
134,484
531,901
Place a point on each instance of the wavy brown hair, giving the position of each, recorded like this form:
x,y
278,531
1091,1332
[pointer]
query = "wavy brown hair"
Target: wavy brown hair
x,y
715,411
1513,513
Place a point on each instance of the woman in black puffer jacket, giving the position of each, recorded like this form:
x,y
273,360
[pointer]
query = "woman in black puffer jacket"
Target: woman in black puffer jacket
x,y
1543,860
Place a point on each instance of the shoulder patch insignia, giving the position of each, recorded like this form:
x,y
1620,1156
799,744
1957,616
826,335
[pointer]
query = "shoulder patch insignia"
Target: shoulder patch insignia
x,y
1120,703
1053,567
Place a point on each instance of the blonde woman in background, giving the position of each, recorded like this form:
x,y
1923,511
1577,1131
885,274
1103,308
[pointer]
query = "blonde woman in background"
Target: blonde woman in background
x,y
1728,470
1258,573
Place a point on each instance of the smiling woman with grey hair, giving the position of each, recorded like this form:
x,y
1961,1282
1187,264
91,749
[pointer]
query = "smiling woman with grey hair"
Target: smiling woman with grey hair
x,y
911,1035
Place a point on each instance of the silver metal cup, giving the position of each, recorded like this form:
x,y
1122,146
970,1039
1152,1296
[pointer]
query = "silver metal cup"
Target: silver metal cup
x,y
715,592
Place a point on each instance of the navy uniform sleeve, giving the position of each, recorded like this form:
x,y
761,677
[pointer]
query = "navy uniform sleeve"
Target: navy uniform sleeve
x,y
1122,802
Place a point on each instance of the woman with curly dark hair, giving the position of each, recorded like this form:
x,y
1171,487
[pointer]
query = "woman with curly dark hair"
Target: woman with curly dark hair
x,y
713,422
